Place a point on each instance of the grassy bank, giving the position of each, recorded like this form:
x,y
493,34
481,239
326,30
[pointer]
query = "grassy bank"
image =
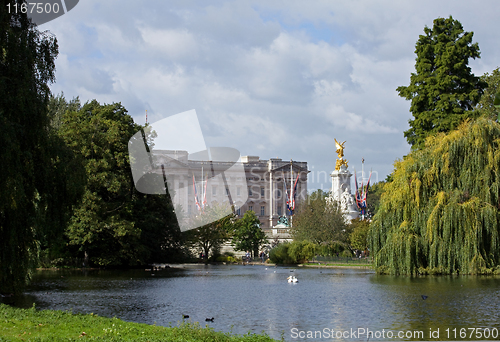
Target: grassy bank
x,y
49,325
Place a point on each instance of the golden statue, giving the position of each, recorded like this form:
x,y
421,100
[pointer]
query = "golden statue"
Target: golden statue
x,y
340,152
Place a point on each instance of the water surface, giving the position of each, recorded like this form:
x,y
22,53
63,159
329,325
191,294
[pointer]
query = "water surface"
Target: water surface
x,y
257,299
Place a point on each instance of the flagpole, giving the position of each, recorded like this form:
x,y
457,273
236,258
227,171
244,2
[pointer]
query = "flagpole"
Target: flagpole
x,y
291,192
202,190
362,183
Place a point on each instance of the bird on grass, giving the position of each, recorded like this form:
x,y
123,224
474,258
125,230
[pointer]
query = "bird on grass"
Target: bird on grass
x,y
424,297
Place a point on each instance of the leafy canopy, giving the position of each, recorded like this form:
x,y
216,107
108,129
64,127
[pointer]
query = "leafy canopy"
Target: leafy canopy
x,y
102,224
443,91
320,222
440,214
248,236
486,105
34,191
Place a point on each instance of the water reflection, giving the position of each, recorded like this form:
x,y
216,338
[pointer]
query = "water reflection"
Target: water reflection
x,y
253,298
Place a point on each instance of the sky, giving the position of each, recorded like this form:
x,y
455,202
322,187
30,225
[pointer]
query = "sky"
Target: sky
x,y
269,78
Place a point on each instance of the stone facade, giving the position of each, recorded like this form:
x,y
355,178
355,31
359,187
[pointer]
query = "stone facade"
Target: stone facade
x,y
259,188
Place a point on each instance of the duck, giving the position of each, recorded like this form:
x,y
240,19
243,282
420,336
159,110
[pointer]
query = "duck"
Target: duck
x,y
185,316
209,319
292,279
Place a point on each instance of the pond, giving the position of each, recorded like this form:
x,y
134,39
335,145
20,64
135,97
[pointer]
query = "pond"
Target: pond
x,y
326,303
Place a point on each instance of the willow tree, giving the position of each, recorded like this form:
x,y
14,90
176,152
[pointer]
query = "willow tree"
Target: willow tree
x,y
27,155
440,214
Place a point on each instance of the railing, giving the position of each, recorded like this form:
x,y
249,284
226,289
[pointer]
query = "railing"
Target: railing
x,y
341,260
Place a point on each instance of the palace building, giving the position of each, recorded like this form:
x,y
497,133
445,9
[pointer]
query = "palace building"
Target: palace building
x,y
247,184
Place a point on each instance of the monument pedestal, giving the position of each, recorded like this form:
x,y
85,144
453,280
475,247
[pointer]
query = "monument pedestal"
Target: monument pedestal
x,y
341,192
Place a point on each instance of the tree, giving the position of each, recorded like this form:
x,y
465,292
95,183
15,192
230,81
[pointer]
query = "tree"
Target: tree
x,y
247,233
58,106
359,235
209,237
440,214
161,236
320,222
102,225
29,192
443,91
486,105
373,197
302,251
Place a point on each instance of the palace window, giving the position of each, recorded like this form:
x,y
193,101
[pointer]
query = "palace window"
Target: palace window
x,y
262,210
262,191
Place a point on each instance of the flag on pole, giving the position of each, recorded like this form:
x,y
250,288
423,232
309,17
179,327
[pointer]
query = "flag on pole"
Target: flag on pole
x,y
196,196
294,193
205,193
361,195
286,195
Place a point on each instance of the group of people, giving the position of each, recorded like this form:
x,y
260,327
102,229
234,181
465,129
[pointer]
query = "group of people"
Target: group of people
x,y
262,255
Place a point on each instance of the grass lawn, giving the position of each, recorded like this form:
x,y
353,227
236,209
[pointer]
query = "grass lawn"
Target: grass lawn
x,y
50,325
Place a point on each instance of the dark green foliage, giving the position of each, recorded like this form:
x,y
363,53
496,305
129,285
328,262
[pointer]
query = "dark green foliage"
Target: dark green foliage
x,y
114,224
373,197
486,105
247,233
318,221
160,234
280,255
443,91
293,253
440,214
34,189
58,106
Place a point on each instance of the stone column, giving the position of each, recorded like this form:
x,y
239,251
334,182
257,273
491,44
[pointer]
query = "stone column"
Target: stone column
x,y
271,197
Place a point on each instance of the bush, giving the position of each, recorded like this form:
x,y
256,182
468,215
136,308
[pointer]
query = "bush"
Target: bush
x,y
301,251
225,259
331,248
292,253
346,253
279,254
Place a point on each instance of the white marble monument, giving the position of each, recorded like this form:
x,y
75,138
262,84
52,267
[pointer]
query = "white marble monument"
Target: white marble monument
x,y
341,186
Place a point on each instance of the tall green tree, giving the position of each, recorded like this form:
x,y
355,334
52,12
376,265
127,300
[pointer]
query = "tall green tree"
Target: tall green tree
x,y
34,194
440,214
102,225
486,105
248,236
443,91
320,222
160,234
58,106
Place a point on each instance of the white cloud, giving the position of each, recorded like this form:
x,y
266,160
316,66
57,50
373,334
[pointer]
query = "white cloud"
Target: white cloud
x,y
268,78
